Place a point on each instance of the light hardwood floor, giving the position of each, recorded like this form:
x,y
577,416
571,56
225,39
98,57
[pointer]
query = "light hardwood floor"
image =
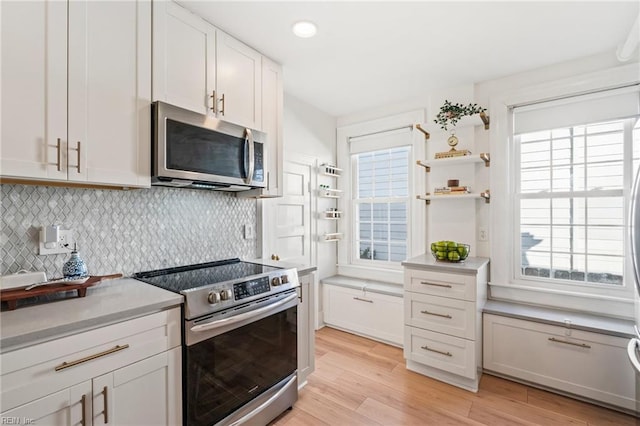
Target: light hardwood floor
x,y
358,381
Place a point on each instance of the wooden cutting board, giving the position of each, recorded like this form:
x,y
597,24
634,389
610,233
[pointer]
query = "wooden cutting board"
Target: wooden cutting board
x,y
12,296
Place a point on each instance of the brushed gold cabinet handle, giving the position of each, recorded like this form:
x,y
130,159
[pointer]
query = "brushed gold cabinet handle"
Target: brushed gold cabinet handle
x,y
581,345
90,357
435,285
214,104
437,315
78,157
59,160
427,348
363,300
222,101
83,403
106,407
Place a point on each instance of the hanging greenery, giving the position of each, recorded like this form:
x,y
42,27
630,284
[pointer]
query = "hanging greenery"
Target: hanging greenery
x,y
450,113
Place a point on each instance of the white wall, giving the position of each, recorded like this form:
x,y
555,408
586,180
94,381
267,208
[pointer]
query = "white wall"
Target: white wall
x,y
310,135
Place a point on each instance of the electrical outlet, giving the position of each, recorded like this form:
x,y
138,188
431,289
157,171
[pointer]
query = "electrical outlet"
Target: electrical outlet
x,y
64,244
249,232
482,234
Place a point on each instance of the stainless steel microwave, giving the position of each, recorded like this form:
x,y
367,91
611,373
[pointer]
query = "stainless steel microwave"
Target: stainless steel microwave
x,y
197,151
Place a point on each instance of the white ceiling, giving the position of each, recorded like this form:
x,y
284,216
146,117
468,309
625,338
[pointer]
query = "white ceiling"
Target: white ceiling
x,y
369,54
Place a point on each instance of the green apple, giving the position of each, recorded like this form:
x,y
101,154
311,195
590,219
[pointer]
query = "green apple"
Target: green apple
x,y
463,251
441,255
453,255
452,245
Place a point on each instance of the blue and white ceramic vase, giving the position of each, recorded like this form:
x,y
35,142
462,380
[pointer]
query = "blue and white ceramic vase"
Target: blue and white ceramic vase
x,y
75,266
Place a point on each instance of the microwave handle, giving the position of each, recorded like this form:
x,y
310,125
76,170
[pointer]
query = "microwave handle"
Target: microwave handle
x,y
248,140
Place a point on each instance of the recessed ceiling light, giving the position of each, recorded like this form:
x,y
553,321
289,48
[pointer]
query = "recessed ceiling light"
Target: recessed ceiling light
x,y
305,29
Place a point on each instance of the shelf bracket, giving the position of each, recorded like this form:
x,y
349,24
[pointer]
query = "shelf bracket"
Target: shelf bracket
x,y
486,158
426,200
485,119
426,166
486,195
426,134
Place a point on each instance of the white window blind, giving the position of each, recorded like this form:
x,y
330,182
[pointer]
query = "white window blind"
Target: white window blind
x,y
380,201
575,159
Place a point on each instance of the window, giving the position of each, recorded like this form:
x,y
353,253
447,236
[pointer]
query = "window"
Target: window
x,y
572,188
381,204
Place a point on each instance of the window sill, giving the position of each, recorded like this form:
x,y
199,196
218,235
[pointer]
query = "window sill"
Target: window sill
x,y
615,307
372,273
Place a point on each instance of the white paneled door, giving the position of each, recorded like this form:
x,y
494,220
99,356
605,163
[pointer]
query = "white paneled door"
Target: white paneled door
x,y
288,219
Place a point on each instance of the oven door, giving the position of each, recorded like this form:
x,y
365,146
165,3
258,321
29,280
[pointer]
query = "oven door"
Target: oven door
x,y
242,367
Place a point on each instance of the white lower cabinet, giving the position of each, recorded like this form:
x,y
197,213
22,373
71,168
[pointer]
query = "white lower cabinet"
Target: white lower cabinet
x,y
364,312
306,329
586,364
442,317
127,373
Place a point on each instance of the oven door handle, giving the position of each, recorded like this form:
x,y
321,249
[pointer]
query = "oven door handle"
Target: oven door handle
x,y
241,317
268,402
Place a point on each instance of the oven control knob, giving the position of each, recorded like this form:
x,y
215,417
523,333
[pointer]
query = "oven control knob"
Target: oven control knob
x,y
285,279
275,281
226,294
213,298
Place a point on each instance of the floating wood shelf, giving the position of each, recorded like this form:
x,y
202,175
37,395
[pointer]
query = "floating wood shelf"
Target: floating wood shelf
x,y
483,195
465,159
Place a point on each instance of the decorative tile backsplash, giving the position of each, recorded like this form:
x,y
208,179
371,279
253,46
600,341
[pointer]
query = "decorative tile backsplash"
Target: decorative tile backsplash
x,y
124,231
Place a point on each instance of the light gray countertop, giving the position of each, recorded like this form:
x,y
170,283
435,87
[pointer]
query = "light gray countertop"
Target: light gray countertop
x,y
427,262
576,320
302,268
105,303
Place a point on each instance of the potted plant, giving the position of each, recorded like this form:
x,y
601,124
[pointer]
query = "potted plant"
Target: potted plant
x,y
450,113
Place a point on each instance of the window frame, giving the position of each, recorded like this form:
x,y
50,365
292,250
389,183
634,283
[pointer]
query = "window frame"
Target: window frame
x,y
623,192
354,202
600,299
349,264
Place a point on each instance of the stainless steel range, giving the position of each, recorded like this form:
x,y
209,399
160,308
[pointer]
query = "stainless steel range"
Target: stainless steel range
x,y
240,340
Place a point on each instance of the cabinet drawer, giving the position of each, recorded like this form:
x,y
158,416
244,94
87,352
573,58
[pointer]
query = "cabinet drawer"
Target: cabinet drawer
x,y
44,368
441,314
457,286
587,364
375,315
437,350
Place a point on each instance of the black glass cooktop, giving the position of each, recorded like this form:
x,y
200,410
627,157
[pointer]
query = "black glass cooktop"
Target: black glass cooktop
x,y
193,276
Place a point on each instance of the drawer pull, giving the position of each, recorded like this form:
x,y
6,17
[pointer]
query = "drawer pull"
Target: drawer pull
x,y
437,315
582,345
363,300
90,357
427,348
83,403
435,284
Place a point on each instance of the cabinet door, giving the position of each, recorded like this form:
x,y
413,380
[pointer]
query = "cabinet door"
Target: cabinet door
x,y
238,82
110,92
306,330
34,89
272,109
71,406
184,67
145,393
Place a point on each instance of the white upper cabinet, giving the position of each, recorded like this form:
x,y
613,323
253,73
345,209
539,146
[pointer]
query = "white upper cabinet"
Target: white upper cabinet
x,y
96,128
200,68
184,58
34,90
239,79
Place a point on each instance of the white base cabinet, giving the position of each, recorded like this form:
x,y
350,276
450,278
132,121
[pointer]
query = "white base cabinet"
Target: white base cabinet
x,y
125,373
585,364
306,329
442,316
365,312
